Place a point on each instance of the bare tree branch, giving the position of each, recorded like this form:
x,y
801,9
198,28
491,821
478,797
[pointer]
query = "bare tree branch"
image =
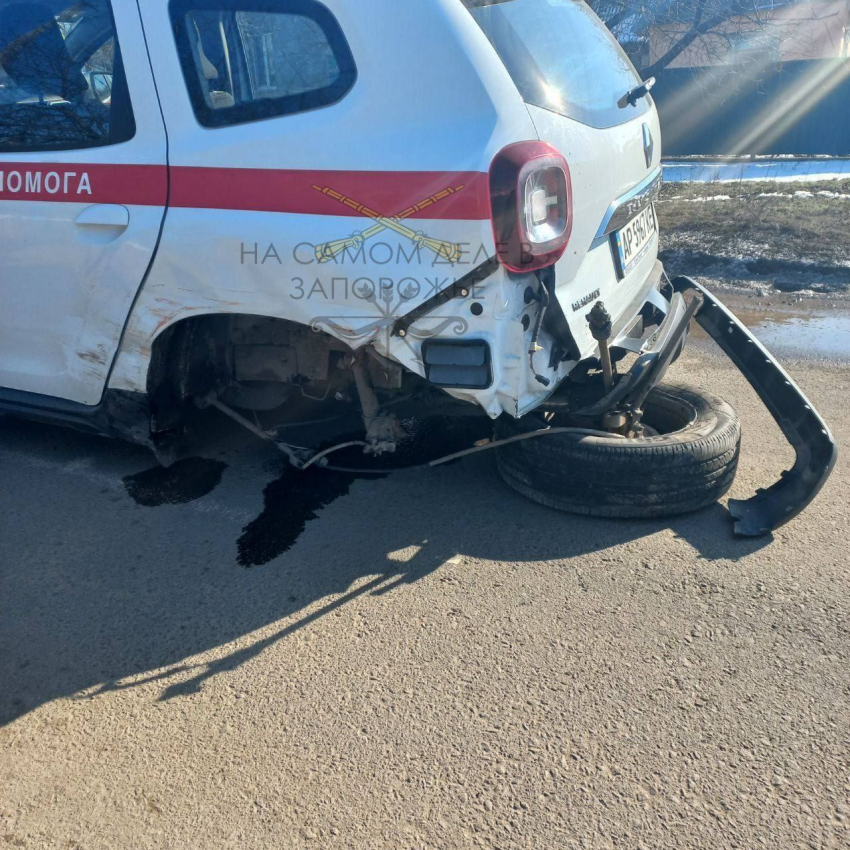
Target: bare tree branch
x,y
719,26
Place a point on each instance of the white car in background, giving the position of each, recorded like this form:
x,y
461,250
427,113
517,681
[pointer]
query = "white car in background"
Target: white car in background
x,y
289,209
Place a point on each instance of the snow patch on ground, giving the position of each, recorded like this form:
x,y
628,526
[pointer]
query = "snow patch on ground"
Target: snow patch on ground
x,y
700,200
800,193
833,196
806,170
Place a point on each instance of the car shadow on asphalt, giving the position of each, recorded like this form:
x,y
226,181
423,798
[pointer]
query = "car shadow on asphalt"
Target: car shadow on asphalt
x,y
101,592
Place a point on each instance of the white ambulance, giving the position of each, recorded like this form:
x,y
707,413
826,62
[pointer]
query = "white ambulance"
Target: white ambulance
x,y
279,207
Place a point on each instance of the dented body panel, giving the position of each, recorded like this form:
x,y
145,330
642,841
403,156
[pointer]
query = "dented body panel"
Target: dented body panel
x,y
417,123
78,231
250,204
427,208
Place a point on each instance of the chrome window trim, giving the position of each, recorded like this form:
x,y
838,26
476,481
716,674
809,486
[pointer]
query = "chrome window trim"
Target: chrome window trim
x,y
630,204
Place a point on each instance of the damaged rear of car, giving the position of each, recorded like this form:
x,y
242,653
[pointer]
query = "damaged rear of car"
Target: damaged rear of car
x,y
385,211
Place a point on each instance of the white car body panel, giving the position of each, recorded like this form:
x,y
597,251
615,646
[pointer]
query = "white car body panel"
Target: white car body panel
x,y
237,237
604,166
71,267
447,109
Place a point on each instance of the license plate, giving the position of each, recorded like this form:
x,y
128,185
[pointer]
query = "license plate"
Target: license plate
x,y
632,241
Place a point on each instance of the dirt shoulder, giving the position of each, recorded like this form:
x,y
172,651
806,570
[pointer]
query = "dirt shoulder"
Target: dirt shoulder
x,y
764,236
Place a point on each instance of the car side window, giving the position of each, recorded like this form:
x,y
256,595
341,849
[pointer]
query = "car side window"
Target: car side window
x,y
248,60
62,83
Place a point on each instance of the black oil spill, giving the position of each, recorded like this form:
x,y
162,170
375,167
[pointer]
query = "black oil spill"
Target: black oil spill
x,y
289,503
183,481
294,499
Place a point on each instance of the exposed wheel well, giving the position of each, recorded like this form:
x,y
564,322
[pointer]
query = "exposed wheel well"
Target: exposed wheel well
x,y
223,353
270,366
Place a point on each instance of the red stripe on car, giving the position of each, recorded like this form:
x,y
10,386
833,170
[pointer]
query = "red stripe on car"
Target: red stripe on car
x,y
83,183
460,195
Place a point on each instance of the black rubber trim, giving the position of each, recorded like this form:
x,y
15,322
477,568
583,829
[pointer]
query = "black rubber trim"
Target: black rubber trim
x,y
19,401
120,414
801,424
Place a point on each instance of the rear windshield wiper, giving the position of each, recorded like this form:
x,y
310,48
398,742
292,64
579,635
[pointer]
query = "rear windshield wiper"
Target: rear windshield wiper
x,y
635,94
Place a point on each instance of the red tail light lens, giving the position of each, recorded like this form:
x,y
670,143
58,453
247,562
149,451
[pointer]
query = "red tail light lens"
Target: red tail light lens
x,y
531,200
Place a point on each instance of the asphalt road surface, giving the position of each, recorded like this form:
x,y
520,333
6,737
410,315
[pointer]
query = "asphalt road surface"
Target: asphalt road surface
x,y
230,656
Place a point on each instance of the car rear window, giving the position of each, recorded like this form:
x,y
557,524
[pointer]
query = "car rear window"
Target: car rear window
x,y
561,58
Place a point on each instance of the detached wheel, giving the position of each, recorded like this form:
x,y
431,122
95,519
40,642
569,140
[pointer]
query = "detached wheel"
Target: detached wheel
x,y
689,465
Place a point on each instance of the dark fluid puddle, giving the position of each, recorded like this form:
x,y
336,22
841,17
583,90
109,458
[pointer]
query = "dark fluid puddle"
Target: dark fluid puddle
x,y
184,481
295,498
289,503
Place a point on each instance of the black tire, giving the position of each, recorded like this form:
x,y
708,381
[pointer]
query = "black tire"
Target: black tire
x,y
690,465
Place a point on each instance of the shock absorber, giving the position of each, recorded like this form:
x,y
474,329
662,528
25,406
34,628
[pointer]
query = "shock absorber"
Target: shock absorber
x,y
600,329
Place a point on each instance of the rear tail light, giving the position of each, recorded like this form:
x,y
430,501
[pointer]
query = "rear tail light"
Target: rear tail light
x,y
531,200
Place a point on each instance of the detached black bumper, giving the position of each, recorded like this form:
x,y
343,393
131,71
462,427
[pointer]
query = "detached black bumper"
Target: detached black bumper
x,y
800,423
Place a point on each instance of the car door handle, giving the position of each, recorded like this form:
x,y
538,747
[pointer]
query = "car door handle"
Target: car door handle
x,y
105,215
